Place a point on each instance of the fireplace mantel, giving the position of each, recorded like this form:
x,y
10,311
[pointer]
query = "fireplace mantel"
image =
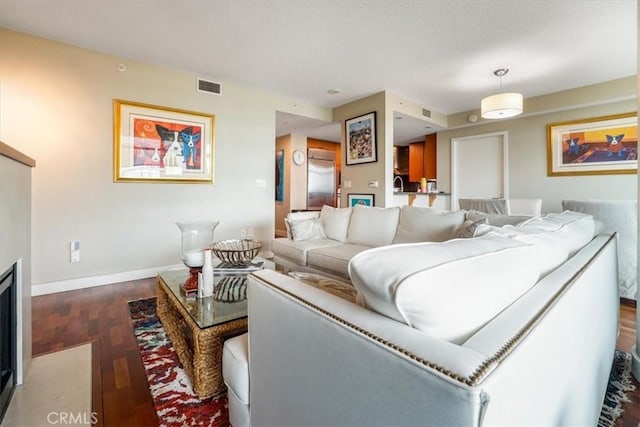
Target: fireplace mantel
x,y
15,244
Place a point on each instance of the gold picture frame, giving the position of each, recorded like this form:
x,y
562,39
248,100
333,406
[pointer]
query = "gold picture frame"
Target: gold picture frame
x,y
161,144
596,146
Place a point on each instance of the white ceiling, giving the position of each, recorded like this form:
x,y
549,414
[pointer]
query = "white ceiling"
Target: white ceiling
x,y
439,53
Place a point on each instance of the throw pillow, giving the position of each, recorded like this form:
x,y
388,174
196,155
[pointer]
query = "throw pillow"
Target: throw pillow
x,y
298,216
468,229
306,229
496,219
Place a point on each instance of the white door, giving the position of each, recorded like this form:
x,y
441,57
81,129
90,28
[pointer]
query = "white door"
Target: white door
x,y
479,168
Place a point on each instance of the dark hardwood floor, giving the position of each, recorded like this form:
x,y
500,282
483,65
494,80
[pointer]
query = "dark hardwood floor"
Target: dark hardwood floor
x,y
100,314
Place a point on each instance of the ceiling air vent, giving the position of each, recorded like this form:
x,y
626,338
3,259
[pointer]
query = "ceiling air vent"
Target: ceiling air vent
x,y
207,86
426,113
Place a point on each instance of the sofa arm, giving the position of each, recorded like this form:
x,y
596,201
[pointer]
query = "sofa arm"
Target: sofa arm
x,y
357,367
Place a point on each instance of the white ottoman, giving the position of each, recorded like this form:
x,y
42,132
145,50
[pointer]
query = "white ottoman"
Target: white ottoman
x,y
235,372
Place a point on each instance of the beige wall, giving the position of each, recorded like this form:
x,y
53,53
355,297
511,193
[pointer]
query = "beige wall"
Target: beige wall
x,y
528,146
56,105
361,174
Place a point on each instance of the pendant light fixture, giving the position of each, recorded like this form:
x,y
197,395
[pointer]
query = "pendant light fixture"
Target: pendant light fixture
x,y
502,105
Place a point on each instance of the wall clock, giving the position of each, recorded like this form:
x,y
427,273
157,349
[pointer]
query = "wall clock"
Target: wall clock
x,y
298,157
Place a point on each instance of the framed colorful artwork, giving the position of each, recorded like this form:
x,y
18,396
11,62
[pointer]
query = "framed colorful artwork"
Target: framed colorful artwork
x,y
279,175
361,139
360,199
595,146
161,144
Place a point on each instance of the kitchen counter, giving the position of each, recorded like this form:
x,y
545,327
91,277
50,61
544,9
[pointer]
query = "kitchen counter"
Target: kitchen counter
x,y
412,195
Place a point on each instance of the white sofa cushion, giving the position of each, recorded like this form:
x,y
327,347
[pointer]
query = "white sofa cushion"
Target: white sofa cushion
x,y
576,228
235,366
551,247
334,258
449,289
426,224
297,251
336,222
371,226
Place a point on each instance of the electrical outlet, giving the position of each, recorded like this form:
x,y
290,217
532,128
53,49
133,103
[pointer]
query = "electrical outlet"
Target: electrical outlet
x,y
250,232
74,248
243,233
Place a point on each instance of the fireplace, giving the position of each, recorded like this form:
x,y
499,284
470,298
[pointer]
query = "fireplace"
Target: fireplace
x,y
8,337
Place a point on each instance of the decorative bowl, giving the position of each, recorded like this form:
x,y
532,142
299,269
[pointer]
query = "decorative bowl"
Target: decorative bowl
x,y
236,252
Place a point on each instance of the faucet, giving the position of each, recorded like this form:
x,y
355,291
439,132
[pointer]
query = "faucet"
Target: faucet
x,y
401,183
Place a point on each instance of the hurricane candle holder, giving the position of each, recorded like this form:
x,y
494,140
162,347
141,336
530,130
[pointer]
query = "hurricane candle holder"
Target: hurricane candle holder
x,y
196,237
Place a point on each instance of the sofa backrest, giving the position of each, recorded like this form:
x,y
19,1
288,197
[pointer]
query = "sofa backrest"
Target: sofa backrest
x,y
372,226
427,224
336,222
556,236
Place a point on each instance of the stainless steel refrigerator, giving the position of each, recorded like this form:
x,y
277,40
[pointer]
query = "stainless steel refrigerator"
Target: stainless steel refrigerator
x,y
321,178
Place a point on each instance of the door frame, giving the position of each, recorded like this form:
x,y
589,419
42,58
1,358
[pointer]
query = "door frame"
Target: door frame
x,y
455,143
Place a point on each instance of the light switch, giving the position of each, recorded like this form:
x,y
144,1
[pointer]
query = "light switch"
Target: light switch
x,y
347,184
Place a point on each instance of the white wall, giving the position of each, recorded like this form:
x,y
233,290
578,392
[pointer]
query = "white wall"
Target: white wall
x,y
56,105
528,155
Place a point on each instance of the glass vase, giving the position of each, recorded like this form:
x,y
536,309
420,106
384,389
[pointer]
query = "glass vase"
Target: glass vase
x,y
196,237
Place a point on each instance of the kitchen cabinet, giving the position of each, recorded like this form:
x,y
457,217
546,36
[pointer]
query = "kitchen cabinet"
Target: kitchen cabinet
x,y
416,161
400,160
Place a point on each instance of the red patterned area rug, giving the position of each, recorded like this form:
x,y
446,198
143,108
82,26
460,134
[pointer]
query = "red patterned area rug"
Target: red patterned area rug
x,y
176,403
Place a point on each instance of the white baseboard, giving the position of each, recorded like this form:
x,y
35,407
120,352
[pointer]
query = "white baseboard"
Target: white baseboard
x,y
92,281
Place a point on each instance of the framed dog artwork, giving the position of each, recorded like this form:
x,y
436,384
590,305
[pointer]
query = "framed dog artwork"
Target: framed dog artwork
x,y
599,145
161,144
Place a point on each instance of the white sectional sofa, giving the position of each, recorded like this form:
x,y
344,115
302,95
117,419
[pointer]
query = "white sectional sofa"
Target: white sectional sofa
x,y
325,241
516,326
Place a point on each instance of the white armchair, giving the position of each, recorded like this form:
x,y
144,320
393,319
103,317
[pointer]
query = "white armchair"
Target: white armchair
x,y
496,206
527,207
523,207
620,216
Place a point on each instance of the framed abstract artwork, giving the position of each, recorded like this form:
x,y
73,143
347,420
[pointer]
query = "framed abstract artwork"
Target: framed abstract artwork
x,y
595,146
361,146
279,175
360,199
161,144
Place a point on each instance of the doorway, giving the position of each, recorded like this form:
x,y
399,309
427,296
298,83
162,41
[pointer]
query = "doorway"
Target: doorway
x,y
479,167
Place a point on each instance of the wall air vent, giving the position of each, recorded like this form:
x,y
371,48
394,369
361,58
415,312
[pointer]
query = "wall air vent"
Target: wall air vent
x,y
207,86
426,113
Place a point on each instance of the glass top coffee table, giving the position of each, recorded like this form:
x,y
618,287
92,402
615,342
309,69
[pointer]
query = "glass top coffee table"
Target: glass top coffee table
x,y
197,327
